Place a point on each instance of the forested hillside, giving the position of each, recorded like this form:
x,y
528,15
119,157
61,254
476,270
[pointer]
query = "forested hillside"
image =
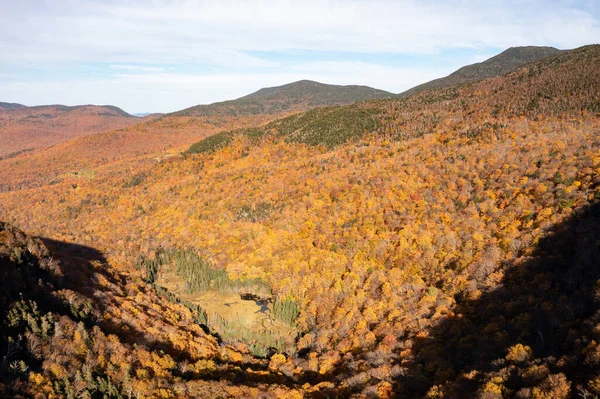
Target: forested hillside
x,y
6,106
24,129
296,96
72,327
505,62
437,246
152,138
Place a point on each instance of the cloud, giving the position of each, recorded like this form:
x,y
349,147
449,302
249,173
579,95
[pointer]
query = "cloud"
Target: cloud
x,y
139,68
206,31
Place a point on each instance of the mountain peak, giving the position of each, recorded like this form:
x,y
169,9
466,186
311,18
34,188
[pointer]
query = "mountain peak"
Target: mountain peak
x,y
505,62
4,106
523,54
295,96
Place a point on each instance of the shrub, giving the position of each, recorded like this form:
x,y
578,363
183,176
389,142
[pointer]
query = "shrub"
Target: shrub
x,y
286,310
519,353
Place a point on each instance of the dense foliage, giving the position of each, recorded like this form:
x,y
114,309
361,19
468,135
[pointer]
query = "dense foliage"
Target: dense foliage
x,y
450,248
507,61
292,97
30,128
73,328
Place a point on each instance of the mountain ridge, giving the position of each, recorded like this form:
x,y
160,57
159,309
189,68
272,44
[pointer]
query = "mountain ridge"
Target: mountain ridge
x,y
295,96
7,106
505,62
41,126
442,245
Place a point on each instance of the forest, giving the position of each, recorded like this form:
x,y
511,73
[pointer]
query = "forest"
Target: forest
x,y
418,247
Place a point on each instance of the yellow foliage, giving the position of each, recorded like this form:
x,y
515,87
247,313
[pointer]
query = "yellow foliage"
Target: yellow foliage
x,y
519,353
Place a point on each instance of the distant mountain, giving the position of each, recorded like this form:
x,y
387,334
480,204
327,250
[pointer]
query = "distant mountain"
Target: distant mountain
x,y
507,61
6,106
142,114
27,128
297,96
516,94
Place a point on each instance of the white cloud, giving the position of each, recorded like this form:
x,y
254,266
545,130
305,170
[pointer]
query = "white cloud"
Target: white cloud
x,y
180,31
139,68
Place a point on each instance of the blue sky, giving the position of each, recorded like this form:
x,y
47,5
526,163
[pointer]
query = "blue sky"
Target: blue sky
x,y
161,56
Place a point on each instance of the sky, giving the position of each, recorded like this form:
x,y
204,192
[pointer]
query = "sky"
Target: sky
x,y
163,56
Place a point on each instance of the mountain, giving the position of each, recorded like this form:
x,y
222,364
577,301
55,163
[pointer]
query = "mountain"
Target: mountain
x,y
507,61
443,245
6,106
291,97
156,136
28,128
142,114
332,126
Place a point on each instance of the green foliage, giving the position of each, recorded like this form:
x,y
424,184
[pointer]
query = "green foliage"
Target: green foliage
x,y
200,316
505,62
25,313
329,127
198,273
234,328
287,98
150,267
212,143
135,180
200,276
286,310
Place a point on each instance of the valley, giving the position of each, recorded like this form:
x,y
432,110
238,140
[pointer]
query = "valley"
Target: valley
x,y
312,240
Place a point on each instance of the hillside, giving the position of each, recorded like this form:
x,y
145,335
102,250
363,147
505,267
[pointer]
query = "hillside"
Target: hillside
x,y
158,136
507,61
428,246
297,96
7,106
25,129
540,88
71,327
150,140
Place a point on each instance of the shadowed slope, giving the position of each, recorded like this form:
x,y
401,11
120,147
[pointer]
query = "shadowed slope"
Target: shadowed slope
x,y
72,327
539,325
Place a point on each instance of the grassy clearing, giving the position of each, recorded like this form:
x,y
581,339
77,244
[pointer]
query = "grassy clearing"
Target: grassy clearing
x,y
234,319
183,276
198,274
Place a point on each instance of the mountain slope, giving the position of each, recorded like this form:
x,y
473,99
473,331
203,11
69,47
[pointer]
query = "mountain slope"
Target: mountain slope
x,y
546,87
6,106
507,61
28,128
66,330
157,136
444,247
291,97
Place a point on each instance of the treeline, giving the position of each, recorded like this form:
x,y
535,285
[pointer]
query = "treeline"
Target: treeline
x,y
199,274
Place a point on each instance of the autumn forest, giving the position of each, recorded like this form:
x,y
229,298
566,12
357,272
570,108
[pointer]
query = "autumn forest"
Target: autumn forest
x,y
310,241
